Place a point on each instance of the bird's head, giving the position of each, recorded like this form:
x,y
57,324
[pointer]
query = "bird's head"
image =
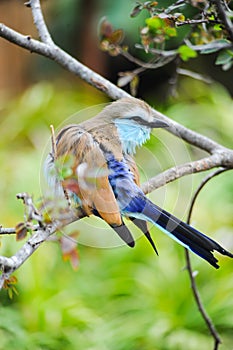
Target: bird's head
x,y
134,120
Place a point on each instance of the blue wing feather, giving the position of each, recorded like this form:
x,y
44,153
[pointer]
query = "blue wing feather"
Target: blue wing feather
x,y
134,203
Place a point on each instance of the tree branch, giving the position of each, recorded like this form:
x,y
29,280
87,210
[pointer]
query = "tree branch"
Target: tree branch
x,y
205,316
43,232
196,22
154,63
198,301
56,54
169,175
7,230
9,265
40,23
224,18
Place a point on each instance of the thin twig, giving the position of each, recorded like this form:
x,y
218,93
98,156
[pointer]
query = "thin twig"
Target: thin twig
x,y
216,45
40,23
53,142
155,63
196,22
162,53
200,187
174,6
7,230
205,316
12,230
31,211
194,75
54,157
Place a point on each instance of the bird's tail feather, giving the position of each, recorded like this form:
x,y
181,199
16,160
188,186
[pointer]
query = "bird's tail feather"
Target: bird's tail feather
x,y
142,225
185,234
124,233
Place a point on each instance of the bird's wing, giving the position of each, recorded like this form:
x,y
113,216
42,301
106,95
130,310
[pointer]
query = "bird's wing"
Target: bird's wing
x,y
91,172
141,224
133,168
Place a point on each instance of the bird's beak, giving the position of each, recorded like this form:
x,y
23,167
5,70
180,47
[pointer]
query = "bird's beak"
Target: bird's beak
x,y
158,123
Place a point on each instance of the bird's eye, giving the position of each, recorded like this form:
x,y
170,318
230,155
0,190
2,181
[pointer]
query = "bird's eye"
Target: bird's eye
x,y
137,119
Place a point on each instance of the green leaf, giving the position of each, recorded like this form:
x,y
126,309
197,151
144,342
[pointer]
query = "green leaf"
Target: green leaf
x,y
134,85
64,166
224,57
227,66
186,52
154,24
171,31
180,17
218,27
66,172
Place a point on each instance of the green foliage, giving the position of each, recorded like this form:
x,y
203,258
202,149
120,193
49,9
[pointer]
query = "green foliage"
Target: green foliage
x,y
160,29
110,38
63,167
9,285
186,52
155,24
119,298
171,32
183,29
225,59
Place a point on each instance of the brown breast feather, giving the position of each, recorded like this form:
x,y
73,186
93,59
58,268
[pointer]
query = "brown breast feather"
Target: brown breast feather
x,y
93,187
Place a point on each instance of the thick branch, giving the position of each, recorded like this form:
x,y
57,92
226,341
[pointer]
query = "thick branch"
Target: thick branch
x,y
9,265
213,161
71,64
43,232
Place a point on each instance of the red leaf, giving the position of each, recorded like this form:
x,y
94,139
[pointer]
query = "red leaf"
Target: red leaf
x,y
106,29
21,231
137,9
69,249
116,37
9,285
71,185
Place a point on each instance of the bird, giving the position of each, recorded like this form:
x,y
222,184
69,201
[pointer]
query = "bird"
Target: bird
x,y
105,180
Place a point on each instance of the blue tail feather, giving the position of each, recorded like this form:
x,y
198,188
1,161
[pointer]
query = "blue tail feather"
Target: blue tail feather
x,y
134,204
142,225
124,233
141,207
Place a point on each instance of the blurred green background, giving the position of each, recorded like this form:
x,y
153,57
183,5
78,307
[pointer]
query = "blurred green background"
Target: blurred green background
x,y
119,298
